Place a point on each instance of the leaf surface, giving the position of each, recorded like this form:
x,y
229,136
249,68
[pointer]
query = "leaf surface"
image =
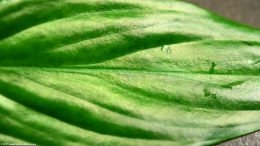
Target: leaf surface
x,y
125,73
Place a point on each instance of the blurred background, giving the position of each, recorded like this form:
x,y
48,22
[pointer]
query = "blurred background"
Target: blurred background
x,y
242,11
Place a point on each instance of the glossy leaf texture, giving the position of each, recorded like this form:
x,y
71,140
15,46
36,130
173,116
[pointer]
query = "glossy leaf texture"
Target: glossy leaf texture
x,y
125,73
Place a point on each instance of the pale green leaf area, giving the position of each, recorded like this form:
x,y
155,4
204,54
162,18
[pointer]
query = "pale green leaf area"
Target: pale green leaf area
x,y
125,73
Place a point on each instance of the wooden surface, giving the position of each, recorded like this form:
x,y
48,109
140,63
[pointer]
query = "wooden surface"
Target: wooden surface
x,y
247,12
249,140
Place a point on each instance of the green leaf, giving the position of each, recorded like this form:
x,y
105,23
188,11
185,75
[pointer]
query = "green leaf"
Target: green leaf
x,y
122,72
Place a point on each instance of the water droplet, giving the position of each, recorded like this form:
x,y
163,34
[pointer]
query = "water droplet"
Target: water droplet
x,y
166,48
